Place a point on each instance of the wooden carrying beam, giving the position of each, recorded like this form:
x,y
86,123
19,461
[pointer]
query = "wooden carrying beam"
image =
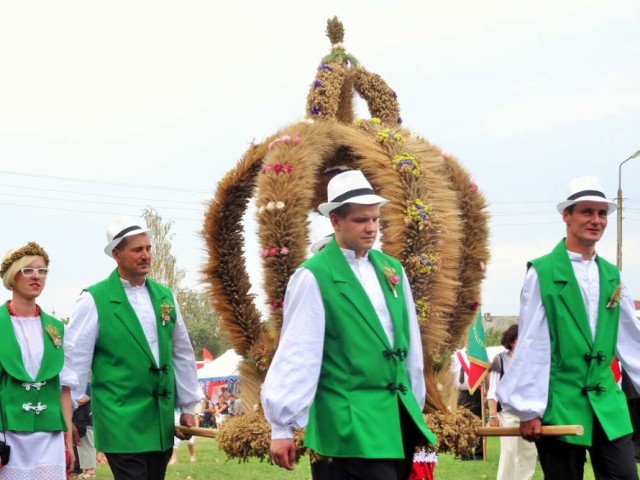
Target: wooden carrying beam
x,y
197,432
547,431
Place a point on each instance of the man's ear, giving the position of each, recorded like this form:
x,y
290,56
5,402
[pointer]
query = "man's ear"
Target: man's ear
x,y
335,221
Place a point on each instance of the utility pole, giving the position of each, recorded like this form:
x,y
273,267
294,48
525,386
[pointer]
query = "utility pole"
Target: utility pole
x,y
619,201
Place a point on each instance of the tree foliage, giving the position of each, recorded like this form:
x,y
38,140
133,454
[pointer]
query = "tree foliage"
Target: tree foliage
x,y
202,323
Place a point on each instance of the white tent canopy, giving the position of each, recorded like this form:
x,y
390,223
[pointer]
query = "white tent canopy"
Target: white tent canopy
x,y
225,367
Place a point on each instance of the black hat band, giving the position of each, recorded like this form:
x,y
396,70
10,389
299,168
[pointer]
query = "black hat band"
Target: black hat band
x,y
353,193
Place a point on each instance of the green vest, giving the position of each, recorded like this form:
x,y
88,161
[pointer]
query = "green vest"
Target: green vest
x,y
363,382
581,384
132,398
23,397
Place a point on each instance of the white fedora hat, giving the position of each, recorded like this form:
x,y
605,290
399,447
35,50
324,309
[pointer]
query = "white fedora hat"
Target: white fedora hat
x,y
585,189
121,228
349,187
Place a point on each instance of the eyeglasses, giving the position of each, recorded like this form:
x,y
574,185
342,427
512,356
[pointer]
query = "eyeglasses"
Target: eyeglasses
x,y
29,272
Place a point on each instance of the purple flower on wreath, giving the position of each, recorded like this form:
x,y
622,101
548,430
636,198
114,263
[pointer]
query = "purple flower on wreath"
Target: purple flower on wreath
x,y
425,261
317,84
325,67
395,95
399,120
315,110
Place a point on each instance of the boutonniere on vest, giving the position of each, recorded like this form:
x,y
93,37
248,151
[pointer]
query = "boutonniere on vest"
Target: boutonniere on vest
x,y
614,300
165,313
392,279
55,335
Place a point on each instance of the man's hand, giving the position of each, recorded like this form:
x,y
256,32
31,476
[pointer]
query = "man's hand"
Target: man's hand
x,y
531,429
186,420
283,452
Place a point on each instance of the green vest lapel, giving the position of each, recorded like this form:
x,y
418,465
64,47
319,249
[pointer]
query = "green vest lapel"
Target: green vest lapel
x,y
607,317
124,313
395,304
52,356
569,291
10,352
160,297
350,288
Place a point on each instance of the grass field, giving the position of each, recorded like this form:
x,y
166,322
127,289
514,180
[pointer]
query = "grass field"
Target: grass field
x,y
213,464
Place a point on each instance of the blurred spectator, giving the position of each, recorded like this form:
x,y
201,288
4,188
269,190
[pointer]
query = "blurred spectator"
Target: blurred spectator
x,y
517,456
221,411
83,421
235,406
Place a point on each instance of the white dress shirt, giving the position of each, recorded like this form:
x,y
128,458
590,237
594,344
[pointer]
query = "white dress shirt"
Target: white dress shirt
x,y
292,379
83,333
524,389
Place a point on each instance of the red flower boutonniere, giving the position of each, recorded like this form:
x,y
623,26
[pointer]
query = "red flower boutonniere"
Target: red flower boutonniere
x,y
392,279
614,300
165,313
55,335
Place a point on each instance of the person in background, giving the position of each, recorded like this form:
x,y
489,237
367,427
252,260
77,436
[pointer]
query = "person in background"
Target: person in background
x,y
221,411
83,421
517,456
235,405
470,401
35,378
575,315
128,330
633,402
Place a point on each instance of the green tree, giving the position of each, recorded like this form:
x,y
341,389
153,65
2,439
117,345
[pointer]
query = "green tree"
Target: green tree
x,y
202,323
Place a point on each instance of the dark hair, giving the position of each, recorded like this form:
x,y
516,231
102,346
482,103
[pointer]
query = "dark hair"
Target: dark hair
x,y
123,243
342,211
570,208
509,336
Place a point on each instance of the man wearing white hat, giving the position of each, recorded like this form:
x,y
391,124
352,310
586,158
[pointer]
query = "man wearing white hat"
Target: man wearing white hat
x,y
349,364
575,316
129,332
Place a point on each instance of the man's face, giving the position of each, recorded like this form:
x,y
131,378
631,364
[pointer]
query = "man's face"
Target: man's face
x,y
30,287
134,260
358,230
587,222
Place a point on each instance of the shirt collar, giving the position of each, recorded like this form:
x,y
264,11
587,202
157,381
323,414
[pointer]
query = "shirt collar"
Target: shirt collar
x,y
350,255
127,285
577,257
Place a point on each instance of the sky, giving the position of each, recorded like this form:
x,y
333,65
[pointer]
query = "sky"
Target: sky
x,y
110,107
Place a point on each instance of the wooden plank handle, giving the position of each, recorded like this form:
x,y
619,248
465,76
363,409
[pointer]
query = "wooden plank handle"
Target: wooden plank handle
x,y
547,431
196,431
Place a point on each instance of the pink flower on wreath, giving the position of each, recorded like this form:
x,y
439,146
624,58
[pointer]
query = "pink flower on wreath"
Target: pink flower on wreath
x,y
265,252
474,187
276,304
273,251
287,168
284,251
277,168
267,168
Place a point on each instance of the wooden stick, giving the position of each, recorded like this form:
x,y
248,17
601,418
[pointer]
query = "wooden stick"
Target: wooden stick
x,y
483,417
197,432
547,431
